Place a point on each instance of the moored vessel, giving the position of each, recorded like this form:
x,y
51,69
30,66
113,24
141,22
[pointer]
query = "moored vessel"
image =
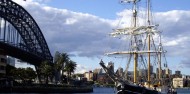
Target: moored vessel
x,y
143,51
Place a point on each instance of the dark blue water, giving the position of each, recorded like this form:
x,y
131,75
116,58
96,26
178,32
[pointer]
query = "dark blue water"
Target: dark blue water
x,y
105,90
183,91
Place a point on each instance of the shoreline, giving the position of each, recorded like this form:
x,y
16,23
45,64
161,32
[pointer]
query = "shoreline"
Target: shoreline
x,y
37,89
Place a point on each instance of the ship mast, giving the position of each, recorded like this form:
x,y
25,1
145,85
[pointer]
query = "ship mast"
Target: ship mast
x,y
148,44
160,70
160,50
135,31
134,23
135,44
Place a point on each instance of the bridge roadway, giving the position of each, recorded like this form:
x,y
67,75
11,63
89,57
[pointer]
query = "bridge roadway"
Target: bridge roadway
x,y
20,36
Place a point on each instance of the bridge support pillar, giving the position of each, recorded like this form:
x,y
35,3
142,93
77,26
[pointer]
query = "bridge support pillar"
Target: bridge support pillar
x,y
38,74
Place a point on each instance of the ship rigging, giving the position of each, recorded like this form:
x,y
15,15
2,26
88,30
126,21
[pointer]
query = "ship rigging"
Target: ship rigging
x,y
141,50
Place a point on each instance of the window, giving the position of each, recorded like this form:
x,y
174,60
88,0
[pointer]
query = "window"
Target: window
x,y
3,60
2,67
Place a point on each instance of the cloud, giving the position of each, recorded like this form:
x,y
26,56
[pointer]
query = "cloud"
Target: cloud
x,y
86,34
68,31
185,63
81,69
174,22
42,1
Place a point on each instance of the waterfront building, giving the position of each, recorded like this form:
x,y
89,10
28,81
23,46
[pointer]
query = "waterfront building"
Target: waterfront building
x,y
186,77
130,75
151,69
178,74
89,75
3,63
167,71
98,70
157,73
178,82
104,79
11,61
142,72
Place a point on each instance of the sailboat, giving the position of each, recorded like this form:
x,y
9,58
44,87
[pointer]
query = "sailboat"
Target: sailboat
x,y
144,50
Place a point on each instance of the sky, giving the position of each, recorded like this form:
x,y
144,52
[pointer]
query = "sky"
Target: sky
x,y
81,27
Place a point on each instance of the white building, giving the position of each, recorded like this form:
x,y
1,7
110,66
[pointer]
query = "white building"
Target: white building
x,y
178,82
89,75
11,61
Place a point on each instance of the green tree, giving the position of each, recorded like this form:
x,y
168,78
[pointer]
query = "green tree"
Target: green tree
x,y
19,73
25,74
30,73
46,70
61,60
70,67
10,70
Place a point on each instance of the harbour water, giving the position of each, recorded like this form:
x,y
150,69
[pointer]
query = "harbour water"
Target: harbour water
x,y
107,90
183,91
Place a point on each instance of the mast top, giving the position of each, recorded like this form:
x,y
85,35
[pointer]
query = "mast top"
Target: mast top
x,y
129,1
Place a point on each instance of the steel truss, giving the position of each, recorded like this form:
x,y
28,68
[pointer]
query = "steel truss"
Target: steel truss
x,y
19,31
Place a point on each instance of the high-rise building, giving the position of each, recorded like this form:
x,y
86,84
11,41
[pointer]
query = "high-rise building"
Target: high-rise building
x,y
98,71
151,69
142,72
168,71
178,72
119,72
111,66
157,73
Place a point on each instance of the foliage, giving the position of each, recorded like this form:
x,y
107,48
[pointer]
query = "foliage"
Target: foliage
x,y
64,63
9,70
46,70
70,67
61,60
25,74
30,73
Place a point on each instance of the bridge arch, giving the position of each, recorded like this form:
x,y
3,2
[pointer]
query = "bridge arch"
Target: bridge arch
x,y
28,42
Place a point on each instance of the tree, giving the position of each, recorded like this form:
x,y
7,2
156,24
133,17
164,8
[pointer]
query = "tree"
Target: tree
x,y
46,70
19,73
25,74
70,67
10,70
30,73
60,61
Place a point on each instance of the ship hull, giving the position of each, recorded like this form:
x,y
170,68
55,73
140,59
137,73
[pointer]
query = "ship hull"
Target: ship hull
x,y
134,89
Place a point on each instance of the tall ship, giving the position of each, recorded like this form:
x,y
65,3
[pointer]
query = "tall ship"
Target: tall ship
x,y
144,51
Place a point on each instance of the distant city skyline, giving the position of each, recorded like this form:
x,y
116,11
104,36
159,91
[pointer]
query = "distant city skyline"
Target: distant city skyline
x,y
80,28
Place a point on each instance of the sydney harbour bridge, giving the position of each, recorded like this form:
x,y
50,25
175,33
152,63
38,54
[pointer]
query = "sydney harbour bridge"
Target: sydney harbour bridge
x,y
20,36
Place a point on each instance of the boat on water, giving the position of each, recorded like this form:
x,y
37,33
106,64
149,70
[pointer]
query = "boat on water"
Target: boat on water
x,y
144,53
